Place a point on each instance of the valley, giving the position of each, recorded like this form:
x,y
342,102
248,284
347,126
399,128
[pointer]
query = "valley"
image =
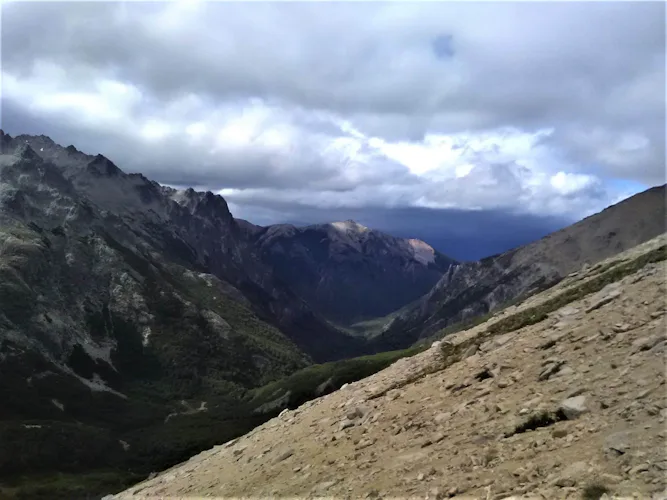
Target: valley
x,y
141,324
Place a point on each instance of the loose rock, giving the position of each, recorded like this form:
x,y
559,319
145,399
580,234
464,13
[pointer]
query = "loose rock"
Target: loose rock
x,y
574,407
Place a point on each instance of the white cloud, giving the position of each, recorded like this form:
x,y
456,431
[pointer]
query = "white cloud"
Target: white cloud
x,y
535,108
567,183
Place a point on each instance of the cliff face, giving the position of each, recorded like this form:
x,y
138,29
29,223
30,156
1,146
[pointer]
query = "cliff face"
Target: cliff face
x,y
475,288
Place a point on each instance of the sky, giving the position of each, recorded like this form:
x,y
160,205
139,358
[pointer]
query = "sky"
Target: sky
x,y
474,126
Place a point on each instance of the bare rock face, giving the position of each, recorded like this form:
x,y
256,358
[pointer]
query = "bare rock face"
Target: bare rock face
x,y
439,425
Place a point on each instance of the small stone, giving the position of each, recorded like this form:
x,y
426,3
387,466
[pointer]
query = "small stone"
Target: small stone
x,y
519,472
611,478
345,424
365,443
576,392
604,297
393,395
453,491
646,343
322,487
639,468
618,443
421,476
442,417
238,451
356,412
559,433
565,371
284,455
572,475
470,351
574,407
621,327
644,393
436,494
550,369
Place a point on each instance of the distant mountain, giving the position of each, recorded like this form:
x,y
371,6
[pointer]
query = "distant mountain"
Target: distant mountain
x,y
348,272
475,288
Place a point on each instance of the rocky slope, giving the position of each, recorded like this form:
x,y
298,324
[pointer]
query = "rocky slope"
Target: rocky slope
x,y
562,396
348,272
475,288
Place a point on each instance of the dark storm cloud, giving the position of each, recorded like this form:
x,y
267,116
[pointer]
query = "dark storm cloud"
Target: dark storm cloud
x,y
460,234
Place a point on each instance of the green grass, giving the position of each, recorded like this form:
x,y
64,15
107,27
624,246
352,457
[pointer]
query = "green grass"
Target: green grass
x,y
543,419
83,486
601,268
368,328
540,312
472,322
594,491
303,385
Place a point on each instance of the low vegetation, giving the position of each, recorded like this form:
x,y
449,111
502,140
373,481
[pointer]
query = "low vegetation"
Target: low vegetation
x,y
60,486
318,380
542,419
540,312
594,491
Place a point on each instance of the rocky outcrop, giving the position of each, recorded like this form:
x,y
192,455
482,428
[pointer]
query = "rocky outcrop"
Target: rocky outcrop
x,y
348,272
476,288
482,424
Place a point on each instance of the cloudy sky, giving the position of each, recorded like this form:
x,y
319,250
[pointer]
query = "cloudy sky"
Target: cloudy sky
x,y
474,126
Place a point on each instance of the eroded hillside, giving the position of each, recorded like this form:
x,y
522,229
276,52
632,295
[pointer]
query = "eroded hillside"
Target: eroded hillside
x,y
475,288
560,396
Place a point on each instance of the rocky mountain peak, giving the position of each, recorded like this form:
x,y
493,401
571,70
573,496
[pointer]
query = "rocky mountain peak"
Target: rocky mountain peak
x,y
104,166
5,141
25,152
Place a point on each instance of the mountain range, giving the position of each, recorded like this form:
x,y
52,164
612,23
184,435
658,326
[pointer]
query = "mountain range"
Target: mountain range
x,y
140,323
